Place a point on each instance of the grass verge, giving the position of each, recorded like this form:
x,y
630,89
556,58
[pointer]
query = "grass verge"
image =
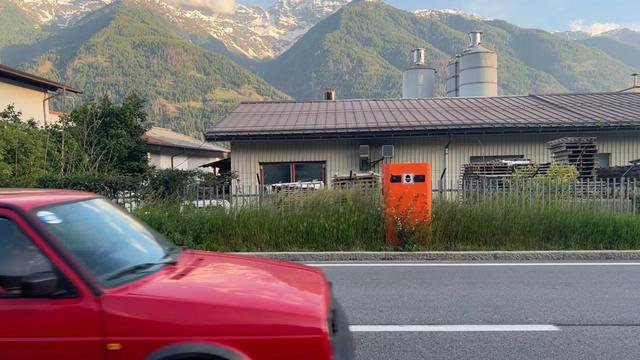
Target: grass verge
x,y
352,220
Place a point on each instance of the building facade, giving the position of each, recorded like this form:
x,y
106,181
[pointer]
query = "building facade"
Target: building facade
x,y
167,149
30,94
306,141
340,157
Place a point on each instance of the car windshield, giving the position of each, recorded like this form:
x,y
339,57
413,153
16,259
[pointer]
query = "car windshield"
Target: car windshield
x,y
113,246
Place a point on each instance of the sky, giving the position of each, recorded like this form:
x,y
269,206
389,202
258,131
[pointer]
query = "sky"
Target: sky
x,y
552,15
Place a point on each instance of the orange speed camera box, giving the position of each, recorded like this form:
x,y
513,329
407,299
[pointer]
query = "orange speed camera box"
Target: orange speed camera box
x,y
407,200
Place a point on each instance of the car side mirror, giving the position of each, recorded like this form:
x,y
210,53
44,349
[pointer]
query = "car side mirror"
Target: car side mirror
x,y
38,285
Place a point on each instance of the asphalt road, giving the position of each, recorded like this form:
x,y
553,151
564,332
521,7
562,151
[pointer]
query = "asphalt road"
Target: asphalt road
x,y
589,311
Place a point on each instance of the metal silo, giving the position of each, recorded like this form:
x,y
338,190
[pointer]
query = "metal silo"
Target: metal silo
x,y
418,81
478,69
452,77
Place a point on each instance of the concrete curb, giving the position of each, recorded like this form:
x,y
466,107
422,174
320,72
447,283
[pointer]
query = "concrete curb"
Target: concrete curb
x,y
371,256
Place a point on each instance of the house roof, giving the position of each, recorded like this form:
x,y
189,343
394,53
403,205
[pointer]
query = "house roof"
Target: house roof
x,y
30,80
634,89
167,138
390,117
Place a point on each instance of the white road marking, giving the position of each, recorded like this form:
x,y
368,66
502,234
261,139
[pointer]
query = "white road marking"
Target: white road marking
x,y
452,328
438,264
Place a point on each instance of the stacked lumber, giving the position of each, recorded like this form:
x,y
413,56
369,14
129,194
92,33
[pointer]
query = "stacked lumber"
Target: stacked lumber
x,y
370,179
577,151
617,172
486,170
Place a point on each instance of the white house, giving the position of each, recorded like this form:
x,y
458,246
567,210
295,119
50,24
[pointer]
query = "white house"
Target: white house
x,y
167,149
30,94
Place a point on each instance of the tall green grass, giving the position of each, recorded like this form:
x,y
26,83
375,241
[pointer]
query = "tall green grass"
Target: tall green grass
x,y
335,220
496,225
320,221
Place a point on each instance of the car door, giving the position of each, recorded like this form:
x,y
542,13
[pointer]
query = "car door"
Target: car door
x,y
64,325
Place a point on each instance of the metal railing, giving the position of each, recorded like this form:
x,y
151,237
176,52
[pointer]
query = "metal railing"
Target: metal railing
x,y
615,195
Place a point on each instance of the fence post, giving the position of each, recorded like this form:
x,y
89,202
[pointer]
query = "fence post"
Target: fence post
x,y
612,191
636,194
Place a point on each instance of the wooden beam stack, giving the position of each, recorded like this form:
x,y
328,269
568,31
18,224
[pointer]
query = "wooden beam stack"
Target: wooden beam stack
x,y
577,151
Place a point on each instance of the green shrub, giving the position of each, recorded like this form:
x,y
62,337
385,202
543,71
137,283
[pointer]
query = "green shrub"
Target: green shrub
x,y
106,185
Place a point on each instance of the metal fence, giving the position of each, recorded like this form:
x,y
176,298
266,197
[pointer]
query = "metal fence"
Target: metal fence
x,y
616,195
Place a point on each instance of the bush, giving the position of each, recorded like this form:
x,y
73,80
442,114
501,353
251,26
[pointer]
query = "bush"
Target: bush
x,y
155,185
558,174
106,185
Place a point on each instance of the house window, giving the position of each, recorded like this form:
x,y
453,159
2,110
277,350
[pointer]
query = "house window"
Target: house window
x,y
482,158
276,173
279,173
603,160
309,172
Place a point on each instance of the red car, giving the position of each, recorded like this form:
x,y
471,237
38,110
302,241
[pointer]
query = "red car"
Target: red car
x,y
82,279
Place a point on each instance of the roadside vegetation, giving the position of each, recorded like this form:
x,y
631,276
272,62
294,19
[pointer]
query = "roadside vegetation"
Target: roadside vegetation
x,y
340,220
98,148
516,226
95,141
319,221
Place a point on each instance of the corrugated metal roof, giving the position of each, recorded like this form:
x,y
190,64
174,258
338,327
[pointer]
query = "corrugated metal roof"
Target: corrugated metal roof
x,y
437,115
168,138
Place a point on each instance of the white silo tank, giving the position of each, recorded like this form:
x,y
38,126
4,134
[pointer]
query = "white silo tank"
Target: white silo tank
x,y
418,81
452,77
478,70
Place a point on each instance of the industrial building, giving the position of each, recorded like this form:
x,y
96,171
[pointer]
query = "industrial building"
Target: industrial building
x,y
315,140
311,141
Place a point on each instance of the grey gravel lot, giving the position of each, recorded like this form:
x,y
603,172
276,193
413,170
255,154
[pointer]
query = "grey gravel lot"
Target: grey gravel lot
x,y
596,309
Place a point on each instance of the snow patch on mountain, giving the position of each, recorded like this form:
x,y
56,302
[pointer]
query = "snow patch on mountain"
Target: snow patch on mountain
x,y
253,31
593,29
439,13
60,13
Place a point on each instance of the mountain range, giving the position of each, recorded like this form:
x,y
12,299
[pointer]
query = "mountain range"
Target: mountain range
x,y
194,64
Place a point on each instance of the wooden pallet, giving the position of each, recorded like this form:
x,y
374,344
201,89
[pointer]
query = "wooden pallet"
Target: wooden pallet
x,y
578,151
616,172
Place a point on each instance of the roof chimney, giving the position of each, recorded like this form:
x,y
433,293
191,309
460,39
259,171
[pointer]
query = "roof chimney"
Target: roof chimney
x,y
330,94
475,38
418,56
635,79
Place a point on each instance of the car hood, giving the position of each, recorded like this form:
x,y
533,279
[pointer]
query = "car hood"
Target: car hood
x,y
208,292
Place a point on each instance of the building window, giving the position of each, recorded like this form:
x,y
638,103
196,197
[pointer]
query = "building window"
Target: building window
x,y
603,160
282,173
276,173
309,172
483,159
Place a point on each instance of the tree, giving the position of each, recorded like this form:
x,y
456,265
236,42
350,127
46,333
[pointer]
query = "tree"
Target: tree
x,y
21,150
108,137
